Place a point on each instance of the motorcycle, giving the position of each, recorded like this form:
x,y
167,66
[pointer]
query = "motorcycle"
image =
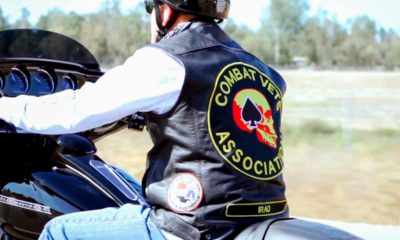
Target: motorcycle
x,y
45,176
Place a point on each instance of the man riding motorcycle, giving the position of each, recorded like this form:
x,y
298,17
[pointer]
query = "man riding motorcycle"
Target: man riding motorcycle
x,y
213,112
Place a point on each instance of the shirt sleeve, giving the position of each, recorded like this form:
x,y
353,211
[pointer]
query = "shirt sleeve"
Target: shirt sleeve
x,y
150,80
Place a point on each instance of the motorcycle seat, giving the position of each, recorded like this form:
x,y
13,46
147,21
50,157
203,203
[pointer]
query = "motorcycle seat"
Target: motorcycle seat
x,y
293,229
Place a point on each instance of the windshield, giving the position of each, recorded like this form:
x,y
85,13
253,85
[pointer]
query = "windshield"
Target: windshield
x,y
41,44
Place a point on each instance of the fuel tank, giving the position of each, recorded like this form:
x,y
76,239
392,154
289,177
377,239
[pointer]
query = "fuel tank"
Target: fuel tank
x,y
27,204
37,183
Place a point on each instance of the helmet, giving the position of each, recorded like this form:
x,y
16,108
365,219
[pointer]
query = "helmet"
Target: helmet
x,y
204,9
216,9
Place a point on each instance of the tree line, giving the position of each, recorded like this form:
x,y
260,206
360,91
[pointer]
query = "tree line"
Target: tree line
x,y
288,35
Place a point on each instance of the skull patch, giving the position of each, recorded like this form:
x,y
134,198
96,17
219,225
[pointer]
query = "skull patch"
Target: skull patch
x,y
251,112
244,118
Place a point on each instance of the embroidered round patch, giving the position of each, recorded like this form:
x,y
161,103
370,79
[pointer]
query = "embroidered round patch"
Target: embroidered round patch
x,y
185,193
244,117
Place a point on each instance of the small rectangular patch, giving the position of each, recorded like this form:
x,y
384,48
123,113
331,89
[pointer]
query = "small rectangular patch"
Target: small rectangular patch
x,y
255,209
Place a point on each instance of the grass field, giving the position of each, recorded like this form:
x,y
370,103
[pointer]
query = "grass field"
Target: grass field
x,y
342,146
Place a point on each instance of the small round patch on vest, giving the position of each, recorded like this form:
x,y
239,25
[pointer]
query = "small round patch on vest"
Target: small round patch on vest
x,y
185,193
244,117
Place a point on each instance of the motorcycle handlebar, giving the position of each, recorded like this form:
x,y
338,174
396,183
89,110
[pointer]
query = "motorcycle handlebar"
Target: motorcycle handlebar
x,y
134,122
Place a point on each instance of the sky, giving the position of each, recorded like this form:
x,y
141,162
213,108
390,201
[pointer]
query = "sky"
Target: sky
x,y
247,12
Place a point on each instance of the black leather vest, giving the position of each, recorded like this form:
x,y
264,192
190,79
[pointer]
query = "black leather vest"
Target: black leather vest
x,y
216,164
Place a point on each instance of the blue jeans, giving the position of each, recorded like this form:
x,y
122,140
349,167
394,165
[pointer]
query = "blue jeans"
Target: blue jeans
x,y
127,222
